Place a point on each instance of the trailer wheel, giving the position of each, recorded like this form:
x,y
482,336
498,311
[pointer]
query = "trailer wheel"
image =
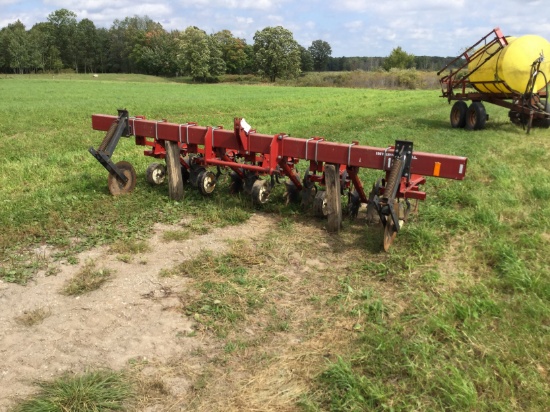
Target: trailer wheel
x,y
260,191
458,114
320,204
156,174
116,187
476,116
206,182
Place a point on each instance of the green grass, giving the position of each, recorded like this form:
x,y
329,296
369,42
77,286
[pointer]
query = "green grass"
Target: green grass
x,y
227,289
91,392
455,317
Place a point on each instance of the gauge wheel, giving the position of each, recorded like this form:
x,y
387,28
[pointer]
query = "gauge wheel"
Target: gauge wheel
x,y
156,174
260,191
206,182
116,187
320,204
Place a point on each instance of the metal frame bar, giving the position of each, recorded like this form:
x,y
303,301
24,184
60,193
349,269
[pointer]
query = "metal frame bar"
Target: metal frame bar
x,y
269,149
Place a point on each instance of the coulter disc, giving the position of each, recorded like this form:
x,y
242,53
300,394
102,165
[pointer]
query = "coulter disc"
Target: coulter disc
x,y
116,187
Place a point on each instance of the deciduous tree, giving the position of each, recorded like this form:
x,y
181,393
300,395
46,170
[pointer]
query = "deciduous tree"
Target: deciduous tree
x,y
63,24
399,59
233,51
277,54
18,47
306,60
87,44
200,55
320,52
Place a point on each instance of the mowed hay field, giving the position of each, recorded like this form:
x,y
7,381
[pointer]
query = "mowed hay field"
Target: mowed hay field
x,y
283,315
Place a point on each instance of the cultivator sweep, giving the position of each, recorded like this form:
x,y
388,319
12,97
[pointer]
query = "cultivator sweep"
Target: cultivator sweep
x,y
192,152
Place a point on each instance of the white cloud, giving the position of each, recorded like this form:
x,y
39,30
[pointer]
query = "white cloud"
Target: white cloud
x,y
231,4
87,4
354,26
384,7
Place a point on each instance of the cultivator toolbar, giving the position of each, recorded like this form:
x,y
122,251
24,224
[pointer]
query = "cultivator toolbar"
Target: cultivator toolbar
x,y
192,151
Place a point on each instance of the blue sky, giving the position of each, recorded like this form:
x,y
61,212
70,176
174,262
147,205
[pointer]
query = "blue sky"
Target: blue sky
x,y
351,27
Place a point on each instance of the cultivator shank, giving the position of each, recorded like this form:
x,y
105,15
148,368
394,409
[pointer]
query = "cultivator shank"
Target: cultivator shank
x,y
191,151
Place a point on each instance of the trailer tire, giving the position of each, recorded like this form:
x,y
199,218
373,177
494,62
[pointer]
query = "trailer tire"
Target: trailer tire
x,y
156,174
476,116
458,114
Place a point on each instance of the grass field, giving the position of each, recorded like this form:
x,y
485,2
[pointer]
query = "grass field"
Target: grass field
x,y
455,317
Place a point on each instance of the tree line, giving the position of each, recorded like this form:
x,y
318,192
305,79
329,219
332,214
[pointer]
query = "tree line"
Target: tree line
x,y
140,45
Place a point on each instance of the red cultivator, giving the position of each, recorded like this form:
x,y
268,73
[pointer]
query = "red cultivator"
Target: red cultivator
x,y
191,151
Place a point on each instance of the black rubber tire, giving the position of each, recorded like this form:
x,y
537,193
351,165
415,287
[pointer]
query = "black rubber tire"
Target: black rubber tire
x,y
194,174
156,174
476,116
458,114
116,187
206,182
260,192
320,205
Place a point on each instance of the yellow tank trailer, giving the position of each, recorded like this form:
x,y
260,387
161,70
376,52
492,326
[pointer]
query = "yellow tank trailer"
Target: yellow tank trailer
x,y
507,71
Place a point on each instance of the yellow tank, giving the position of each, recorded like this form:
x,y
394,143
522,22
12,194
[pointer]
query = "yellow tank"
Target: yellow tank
x,y
511,66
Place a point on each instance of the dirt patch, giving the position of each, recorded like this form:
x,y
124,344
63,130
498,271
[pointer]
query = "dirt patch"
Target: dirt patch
x,y
134,320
